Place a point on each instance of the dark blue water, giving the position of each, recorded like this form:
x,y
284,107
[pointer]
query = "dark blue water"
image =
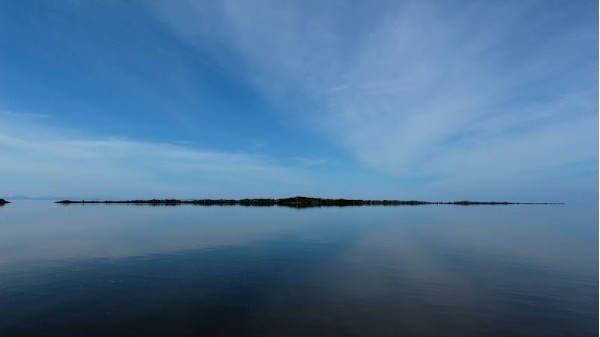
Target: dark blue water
x,y
117,270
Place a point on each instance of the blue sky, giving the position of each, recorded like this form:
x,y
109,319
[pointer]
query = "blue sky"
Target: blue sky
x,y
435,100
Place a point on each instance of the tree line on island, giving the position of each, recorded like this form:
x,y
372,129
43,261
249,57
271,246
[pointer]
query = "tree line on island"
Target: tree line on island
x,y
295,202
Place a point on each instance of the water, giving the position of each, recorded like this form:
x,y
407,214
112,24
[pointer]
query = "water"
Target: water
x,y
118,270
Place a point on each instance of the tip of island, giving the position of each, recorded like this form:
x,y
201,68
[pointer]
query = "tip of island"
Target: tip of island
x,y
296,202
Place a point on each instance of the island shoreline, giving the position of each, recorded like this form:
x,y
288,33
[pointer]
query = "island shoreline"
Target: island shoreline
x,y
298,202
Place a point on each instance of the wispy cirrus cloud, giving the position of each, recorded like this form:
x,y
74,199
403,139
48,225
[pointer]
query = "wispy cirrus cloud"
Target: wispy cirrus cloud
x,y
26,115
464,95
42,160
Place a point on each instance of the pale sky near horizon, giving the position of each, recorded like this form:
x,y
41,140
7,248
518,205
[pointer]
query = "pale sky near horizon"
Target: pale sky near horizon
x,y
432,100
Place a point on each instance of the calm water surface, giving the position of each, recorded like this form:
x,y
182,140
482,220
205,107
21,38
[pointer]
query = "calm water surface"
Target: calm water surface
x,y
118,270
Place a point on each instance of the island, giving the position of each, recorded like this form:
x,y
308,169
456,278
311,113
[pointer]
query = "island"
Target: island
x,y
2,202
296,202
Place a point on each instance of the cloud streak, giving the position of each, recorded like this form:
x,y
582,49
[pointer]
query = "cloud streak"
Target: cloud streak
x,y
463,95
41,160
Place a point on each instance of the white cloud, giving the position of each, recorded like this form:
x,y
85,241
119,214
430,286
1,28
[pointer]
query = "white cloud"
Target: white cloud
x,y
482,92
26,115
43,160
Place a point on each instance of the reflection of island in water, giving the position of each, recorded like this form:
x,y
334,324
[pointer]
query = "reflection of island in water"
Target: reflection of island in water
x,y
295,202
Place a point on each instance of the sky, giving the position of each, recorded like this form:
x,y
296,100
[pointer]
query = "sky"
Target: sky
x,y
429,100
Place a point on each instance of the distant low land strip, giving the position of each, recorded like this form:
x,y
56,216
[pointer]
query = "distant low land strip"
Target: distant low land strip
x,y
298,202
